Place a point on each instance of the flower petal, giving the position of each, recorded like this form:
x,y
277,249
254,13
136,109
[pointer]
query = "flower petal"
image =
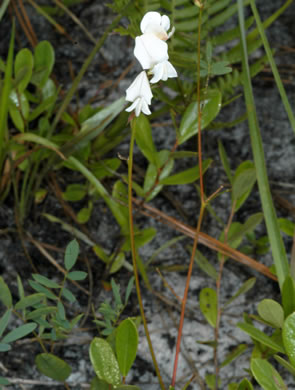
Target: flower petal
x,y
149,50
150,18
139,87
163,71
165,22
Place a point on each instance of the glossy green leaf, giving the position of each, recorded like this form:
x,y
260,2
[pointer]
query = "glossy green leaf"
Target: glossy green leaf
x,y
272,312
4,321
18,109
245,385
45,281
211,104
5,295
23,68
188,176
288,296
104,361
53,367
289,337
71,255
266,375
234,354
246,286
144,139
258,335
19,332
208,305
30,300
74,192
126,345
77,275
43,63
98,384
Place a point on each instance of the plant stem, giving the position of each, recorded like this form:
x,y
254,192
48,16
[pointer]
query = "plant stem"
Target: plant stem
x,y
133,252
202,209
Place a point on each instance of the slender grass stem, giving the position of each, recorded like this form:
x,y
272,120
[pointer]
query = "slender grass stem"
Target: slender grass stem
x,y
133,252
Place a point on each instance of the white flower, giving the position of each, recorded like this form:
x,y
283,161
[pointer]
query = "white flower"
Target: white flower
x,y
162,71
150,50
154,23
140,94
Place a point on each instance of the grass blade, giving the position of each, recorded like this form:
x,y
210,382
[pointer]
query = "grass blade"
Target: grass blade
x,y
276,242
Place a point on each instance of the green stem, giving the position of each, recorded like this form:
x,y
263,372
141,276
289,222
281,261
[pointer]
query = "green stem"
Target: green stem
x,y
133,251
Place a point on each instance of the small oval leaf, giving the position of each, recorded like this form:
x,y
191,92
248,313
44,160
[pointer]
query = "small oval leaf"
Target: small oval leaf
x,y
208,305
289,337
272,312
126,345
53,367
104,361
266,375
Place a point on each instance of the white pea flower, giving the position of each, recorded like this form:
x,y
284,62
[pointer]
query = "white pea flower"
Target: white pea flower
x,y
150,50
163,71
140,94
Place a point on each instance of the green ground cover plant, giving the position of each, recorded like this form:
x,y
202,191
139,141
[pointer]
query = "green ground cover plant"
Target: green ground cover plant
x,y
42,135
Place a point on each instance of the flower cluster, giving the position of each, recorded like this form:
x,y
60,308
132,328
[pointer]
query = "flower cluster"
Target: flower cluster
x,y
151,50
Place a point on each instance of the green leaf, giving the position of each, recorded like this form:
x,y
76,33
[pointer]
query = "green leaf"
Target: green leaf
x,y
246,286
208,305
85,213
117,263
53,367
220,68
245,385
30,300
288,295
43,311
286,226
37,287
4,321
71,255
98,384
272,312
5,295
126,345
4,381
4,347
68,295
104,361
116,292
188,176
129,289
258,335
205,265
144,139
23,68
266,375
288,337
45,281
244,180
74,192
18,109
77,275
43,63
285,364
19,332
189,124
234,354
